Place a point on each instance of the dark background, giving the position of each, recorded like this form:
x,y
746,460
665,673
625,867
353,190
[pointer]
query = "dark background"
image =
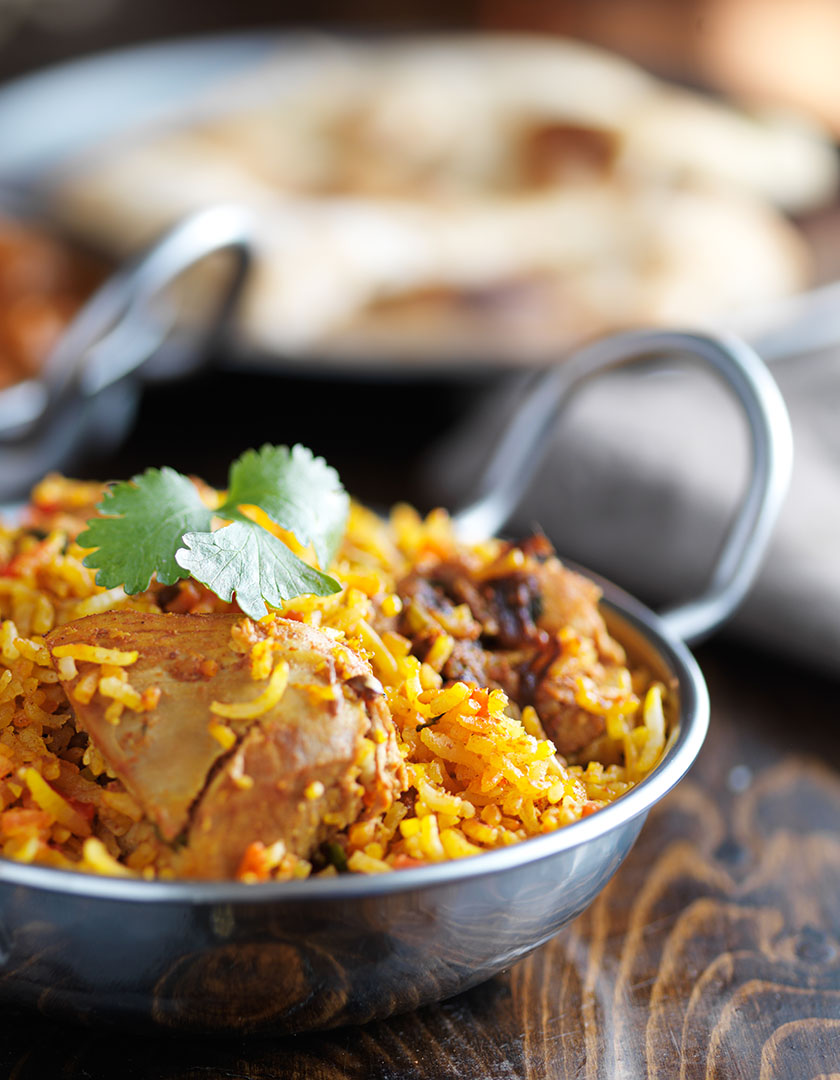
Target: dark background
x,y
39,32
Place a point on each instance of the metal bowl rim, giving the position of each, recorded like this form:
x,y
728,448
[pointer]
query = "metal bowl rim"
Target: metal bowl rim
x,y
693,722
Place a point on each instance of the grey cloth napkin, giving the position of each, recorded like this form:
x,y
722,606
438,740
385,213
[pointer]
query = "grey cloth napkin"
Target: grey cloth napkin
x,y
643,473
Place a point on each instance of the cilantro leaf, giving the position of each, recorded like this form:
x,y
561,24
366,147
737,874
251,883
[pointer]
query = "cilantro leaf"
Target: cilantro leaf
x,y
157,525
297,490
144,521
245,559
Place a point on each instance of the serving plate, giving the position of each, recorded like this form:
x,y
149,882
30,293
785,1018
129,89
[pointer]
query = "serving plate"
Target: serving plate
x,y
231,958
52,114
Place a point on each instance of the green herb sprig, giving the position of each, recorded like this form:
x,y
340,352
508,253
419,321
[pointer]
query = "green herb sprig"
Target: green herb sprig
x,y
156,525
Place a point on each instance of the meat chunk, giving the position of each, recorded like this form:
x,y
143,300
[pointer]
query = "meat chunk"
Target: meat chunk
x,y
571,600
507,623
298,770
570,726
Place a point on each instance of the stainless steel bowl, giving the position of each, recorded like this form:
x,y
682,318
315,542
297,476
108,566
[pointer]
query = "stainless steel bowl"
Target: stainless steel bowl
x,y
289,957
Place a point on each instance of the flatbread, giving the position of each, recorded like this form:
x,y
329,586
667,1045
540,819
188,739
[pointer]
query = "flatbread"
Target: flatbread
x,y
490,198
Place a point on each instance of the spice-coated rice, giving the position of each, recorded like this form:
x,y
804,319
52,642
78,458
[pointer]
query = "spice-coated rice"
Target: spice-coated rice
x,y
482,774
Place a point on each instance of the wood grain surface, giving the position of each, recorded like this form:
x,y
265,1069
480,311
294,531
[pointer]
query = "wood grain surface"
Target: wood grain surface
x,y
714,953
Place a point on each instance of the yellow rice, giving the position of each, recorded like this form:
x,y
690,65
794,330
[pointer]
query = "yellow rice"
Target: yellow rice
x,y
482,774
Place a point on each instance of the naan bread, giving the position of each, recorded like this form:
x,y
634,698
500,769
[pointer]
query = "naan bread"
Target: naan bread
x,y
458,195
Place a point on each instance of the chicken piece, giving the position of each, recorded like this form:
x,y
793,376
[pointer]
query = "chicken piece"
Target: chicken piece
x,y
305,766
511,640
569,726
570,599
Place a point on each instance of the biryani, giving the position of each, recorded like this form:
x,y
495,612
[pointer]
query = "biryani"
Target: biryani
x,y
434,700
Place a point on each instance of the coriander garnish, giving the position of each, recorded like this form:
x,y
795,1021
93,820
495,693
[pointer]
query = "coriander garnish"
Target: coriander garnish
x,y
157,525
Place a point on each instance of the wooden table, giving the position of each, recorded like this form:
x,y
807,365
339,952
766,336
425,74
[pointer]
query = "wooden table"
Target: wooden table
x,y
714,953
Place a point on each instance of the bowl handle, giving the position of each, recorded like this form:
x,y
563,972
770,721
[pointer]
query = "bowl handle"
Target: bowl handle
x,y
122,325
118,329
524,443
118,332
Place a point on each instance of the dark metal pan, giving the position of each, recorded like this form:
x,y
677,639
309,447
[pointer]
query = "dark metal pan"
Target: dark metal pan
x,y
227,958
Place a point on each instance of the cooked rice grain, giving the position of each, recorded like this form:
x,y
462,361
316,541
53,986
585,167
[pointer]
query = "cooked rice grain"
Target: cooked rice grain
x,y
482,774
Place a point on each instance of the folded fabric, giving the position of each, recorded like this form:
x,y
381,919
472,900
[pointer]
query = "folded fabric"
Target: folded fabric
x,y
641,478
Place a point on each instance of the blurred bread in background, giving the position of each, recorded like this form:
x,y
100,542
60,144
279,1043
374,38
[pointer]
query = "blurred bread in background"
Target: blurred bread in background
x,y
478,197
776,53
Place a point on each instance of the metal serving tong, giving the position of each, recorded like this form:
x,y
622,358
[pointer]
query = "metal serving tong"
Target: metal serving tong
x,y
87,389
521,448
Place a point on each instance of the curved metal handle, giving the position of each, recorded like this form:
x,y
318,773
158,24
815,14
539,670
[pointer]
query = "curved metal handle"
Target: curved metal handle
x,y
523,445
44,421
116,331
